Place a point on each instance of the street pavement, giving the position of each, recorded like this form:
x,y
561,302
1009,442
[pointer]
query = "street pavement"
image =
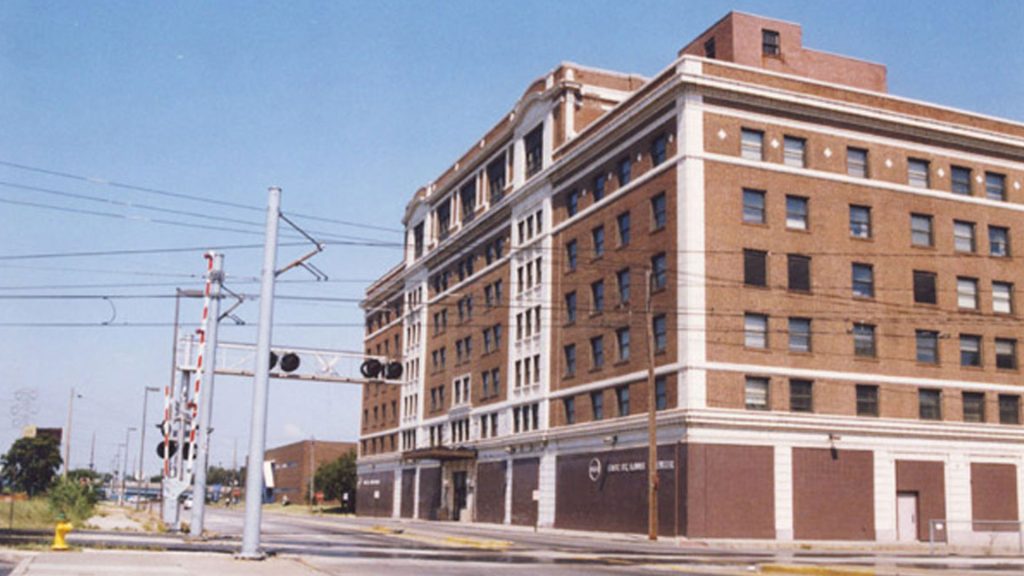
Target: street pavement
x,y
302,545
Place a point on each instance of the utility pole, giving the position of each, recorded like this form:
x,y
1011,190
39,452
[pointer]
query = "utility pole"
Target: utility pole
x,y
124,469
261,380
652,422
142,437
211,320
312,469
67,434
92,452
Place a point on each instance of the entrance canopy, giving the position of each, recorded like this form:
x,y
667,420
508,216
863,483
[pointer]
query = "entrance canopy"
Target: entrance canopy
x,y
441,453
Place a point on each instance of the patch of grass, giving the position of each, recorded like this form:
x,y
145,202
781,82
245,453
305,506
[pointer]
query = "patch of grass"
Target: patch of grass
x,y
32,514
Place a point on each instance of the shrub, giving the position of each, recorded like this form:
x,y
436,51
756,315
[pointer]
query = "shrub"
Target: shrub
x,y
74,499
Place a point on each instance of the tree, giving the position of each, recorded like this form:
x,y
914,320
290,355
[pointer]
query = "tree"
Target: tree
x,y
31,464
337,477
223,476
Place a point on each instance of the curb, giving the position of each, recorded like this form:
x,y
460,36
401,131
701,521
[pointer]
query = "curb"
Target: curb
x,y
814,570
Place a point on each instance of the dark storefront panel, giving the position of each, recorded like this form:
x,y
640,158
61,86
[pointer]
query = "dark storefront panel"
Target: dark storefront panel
x,y
928,480
731,491
490,492
408,493
607,491
375,494
833,494
525,479
994,496
430,493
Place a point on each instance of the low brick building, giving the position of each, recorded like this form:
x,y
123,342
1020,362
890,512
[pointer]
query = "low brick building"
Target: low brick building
x,y
293,465
832,282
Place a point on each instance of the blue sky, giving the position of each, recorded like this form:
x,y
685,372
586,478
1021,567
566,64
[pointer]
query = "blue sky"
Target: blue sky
x,y
350,107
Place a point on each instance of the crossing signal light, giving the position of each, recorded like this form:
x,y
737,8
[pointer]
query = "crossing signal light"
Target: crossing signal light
x,y
289,362
171,448
373,368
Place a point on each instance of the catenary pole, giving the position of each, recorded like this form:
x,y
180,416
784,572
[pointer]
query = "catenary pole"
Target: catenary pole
x,y
652,426
142,438
67,435
210,323
260,388
124,468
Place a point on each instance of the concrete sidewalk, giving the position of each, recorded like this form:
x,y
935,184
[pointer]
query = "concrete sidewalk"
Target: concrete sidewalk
x,y
131,563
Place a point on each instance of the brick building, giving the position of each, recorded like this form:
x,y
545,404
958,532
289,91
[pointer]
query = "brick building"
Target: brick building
x,y
292,465
832,283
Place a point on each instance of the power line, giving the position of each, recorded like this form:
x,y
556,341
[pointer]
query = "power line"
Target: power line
x,y
50,255
182,196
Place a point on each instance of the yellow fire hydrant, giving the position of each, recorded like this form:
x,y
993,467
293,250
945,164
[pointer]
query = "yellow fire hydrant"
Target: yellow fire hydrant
x,y
62,528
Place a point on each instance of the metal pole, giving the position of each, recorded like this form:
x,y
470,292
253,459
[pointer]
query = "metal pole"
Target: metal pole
x,y
312,469
261,379
92,452
124,468
652,427
206,394
67,435
142,437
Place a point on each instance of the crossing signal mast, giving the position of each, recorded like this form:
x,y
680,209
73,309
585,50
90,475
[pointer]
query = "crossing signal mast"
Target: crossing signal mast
x,y
188,400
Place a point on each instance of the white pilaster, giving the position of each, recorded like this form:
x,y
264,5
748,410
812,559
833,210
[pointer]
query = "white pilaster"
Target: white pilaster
x,y
885,496
416,495
690,238
508,491
396,508
783,492
546,481
958,497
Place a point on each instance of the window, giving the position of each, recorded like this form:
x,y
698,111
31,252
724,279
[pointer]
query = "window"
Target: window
x,y
570,409
600,185
624,170
444,219
927,346
860,221
1002,297
770,44
624,225
658,211
867,400
921,230
709,48
755,330
570,359
496,179
622,338
801,397
572,203
924,287
755,268
796,212
658,150
999,241
1006,353
917,173
752,144
622,396
597,404
995,186
970,350
798,270
597,296
794,151
756,393
961,178
863,281
417,235
660,333
857,162
753,206
622,276
597,234
660,392
659,272
974,406
534,144
799,334
864,340
929,404
963,236
967,293
570,307
1009,409
571,250
597,352
467,197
